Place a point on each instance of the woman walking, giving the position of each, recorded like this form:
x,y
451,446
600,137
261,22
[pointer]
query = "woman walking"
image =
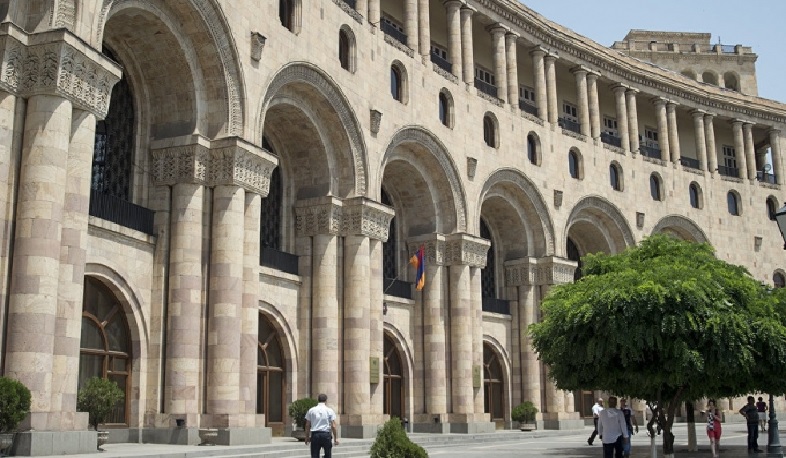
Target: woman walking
x,y
713,428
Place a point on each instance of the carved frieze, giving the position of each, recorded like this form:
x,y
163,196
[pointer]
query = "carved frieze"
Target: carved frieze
x,y
550,270
361,216
181,164
465,249
433,247
241,164
318,216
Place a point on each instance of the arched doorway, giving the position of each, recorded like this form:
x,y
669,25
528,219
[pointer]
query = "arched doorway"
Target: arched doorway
x,y
394,380
493,385
105,345
271,376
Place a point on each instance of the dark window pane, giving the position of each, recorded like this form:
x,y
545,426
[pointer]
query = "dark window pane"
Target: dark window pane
x,y
778,280
275,408
274,357
694,196
395,83
731,201
116,333
91,335
90,366
614,178
531,153
118,415
396,408
488,284
573,164
654,188
261,390
343,50
270,219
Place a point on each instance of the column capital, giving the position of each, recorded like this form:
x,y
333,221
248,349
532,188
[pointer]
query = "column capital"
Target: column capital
x,y
774,131
363,216
497,28
579,69
619,87
434,247
56,62
748,124
551,56
632,91
736,121
511,36
671,105
467,10
549,270
709,116
180,160
453,4
698,114
233,161
659,101
538,50
466,249
318,216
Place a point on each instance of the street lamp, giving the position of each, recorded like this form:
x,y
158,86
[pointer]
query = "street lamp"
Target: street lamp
x,y
773,438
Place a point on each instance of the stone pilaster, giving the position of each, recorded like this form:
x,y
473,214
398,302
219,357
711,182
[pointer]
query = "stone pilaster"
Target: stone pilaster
x,y
739,147
539,71
410,27
750,150
583,100
712,152
674,136
511,58
361,6
633,118
11,115
551,87
526,367
374,12
250,313
377,346
701,138
452,8
467,47
622,115
663,128
498,32
594,104
775,150
424,29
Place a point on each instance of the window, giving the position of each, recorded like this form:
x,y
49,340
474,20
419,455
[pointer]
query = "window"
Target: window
x,y
655,190
573,164
445,112
651,137
532,149
570,111
271,373
710,78
614,176
610,125
392,23
394,382
778,280
733,203
395,82
489,131
729,157
485,75
730,81
772,208
343,49
285,13
439,51
695,195
527,95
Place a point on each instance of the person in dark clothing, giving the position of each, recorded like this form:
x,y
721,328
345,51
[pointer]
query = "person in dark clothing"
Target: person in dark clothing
x,y
596,410
751,414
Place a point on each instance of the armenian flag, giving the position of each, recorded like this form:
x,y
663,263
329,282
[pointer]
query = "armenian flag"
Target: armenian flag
x,y
418,260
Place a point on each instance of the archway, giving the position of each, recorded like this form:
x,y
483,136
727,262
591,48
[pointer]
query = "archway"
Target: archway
x,y
394,380
271,375
493,384
680,227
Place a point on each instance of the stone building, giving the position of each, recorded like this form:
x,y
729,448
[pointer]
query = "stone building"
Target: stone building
x,y
213,203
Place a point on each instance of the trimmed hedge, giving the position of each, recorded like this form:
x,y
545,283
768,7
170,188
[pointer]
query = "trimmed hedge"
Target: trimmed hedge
x,y
392,442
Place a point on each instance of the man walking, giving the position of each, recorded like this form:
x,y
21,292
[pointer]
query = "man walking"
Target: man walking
x,y
596,409
751,414
613,430
320,423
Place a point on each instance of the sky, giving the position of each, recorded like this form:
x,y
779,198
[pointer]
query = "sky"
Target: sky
x,y
760,24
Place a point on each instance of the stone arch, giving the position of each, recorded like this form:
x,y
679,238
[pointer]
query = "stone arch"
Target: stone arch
x,y
195,35
422,178
682,227
301,80
597,225
407,360
509,191
504,358
731,80
288,341
135,315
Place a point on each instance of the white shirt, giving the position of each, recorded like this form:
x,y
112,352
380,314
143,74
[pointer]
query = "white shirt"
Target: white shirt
x,y
596,410
320,416
611,425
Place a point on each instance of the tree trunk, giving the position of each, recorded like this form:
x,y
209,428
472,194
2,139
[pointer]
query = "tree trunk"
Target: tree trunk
x,y
689,411
653,447
668,442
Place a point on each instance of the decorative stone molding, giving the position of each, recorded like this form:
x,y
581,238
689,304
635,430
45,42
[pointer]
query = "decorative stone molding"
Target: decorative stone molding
x,y
66,12
349,10
233,161
376,120
531,117
465,249
599,204
576,135
445,74
557,198
56,63
187,163
472,166
614,149
362,216
683,225
257,45
550,270
434,248
317,216
639,220
398,45
490,98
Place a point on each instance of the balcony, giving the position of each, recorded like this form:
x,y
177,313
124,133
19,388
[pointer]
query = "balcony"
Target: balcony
x,y
486,88
398,288
494,305
733,172
649,151
766,177
569,124
527,108
119,211
351,3
279,260
690,163
391,30
441,63
609,139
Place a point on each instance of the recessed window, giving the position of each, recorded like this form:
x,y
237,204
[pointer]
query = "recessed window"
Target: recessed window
x,y
286,14
655,188
395,83
730,81
574,164
343,49
772,208
778,280
615,177
733,203
490,131
709,77
695,195
532,149
445,102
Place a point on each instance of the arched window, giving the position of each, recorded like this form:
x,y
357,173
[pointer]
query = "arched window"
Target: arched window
x,y
772,208
730,81
489,132
532,152
655,190
488,281
733,203
285,12
709,77
493,384
614,177
393,398
778,280
695,195
270,214
105,344
574,255
389,264
271,373
395,83
444,109
573,164
343,49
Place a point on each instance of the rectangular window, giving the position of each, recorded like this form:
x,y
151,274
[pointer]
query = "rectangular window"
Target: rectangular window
x,y
729,157
610,126
527,95
439,51
651,137
393,23
485,75
570,111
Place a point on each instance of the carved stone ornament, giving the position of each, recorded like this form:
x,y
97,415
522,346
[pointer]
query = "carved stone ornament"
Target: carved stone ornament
x,y
320,215
362,216
57,64
376,120
464,249
434,248
181,164
557,198
235,162
472,166
257,45
639,220
550,270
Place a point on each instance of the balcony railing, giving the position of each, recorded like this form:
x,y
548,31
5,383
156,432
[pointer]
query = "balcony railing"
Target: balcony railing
x,y
121,212
276,259
486,88
766,177
569,124
494,305
441,63
528,108
733,172
351,3
727,49
609,139
690,162
398,288
649,151
391,30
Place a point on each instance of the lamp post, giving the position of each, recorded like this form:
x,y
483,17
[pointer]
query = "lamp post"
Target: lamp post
x,y
773,437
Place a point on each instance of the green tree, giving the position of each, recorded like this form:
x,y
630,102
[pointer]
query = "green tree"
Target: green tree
x,y
98,398
665,321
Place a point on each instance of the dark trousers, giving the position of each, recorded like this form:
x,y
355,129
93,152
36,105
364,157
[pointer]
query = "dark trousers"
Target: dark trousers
x,y
614,449
594,432
321,440
753,436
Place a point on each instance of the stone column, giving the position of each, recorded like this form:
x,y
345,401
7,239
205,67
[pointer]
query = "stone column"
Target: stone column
x,y
551,87
374,12
712,153
594,104
739,147
249,342
583,99
633,118
377,347
498,57
452,8
424,29
476,305
701,141
663,129
511,58
750,150
775,151
622,115
519,274
674,137
361,6
540,82
410,27
467,48
362,220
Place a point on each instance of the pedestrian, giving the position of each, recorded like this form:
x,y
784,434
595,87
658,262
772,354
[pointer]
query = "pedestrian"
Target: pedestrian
x,y
713,428
761,406
612,429
596,410
751,414
320,423
630,422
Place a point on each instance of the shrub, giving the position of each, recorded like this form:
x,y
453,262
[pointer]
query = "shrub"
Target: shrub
x,y
297,410
524,412
98,397
392,442
14,403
